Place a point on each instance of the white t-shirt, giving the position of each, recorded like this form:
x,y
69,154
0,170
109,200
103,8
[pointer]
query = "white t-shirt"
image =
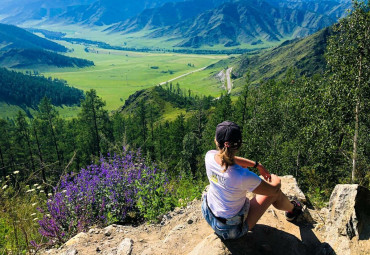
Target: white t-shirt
x,y
227,193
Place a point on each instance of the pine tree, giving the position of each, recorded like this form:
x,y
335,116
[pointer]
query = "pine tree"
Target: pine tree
x,y
94,121
348,57
48,117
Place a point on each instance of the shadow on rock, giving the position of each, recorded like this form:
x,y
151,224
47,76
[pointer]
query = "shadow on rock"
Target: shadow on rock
x,y
268,240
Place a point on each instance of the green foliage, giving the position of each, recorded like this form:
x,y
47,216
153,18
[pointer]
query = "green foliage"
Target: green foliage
x,y
17,88
19,215
153,199
187,189
349,63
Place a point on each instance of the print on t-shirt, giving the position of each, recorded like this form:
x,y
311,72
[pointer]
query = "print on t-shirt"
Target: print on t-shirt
x,y
218,179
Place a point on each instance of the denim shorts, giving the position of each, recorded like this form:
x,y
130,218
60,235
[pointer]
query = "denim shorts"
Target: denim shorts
x,y
226,231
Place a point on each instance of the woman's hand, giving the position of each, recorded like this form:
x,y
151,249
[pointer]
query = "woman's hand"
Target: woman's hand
x,y
275,180
264,172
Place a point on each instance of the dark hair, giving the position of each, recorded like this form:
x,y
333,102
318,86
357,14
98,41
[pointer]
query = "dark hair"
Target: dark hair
x,y
228,139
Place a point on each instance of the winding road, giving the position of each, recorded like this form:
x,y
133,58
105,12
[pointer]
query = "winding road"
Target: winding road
x,y
228,79
178,77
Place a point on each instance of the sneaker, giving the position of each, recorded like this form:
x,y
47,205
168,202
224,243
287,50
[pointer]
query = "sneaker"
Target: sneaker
x,y
297,210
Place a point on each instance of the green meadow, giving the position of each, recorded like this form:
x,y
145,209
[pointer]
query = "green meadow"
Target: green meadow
x,y
118,74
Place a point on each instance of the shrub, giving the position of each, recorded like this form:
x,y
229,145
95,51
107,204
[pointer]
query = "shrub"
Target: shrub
x,y
105,193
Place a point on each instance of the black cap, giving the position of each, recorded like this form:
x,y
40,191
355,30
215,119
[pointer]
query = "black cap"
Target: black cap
x,y
228,131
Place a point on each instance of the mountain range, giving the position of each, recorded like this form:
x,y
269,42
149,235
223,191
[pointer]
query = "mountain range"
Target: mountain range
x,y
249,22
188,23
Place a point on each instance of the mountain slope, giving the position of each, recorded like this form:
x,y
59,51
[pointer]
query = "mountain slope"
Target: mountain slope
x,y
166,15
17,12
249,22
22,49
306,55
104,12
31,58
14,37
331,8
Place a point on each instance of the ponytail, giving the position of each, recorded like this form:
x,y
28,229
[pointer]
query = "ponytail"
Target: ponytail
x,y
227,155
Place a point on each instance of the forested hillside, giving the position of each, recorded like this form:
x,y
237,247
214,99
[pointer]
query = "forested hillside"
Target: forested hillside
x,y
59,177
26,90
22,49
305,55
14,37
32,58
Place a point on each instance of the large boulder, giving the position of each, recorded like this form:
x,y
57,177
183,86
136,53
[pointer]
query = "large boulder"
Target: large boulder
x,y
348,220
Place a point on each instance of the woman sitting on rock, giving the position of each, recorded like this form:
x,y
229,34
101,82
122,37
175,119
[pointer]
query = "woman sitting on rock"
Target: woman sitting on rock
x,y
225,206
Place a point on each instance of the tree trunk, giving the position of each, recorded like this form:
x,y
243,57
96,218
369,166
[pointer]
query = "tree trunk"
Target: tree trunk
x,y
55,142
30,150
43,175
357,112
96,130
2,163
355,143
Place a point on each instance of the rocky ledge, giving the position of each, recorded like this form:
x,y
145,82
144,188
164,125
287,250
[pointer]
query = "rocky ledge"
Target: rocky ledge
x,y
342,228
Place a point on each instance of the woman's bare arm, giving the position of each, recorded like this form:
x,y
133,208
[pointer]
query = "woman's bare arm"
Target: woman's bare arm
x,y
243,162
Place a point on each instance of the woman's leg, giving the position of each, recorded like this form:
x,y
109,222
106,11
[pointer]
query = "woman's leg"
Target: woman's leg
x,y
260,203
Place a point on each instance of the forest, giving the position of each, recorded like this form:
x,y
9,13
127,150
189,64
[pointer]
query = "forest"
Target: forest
x,y
28,89
58,176
31,57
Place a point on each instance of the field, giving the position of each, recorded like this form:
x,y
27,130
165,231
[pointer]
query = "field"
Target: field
x,y
118,74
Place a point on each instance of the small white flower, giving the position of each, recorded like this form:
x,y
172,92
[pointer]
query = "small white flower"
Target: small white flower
x,y
38,187
30,190
33,214
16,172
35,185
35,219
41,191
48,215
64,191
7,177
34,204
50,194
5,186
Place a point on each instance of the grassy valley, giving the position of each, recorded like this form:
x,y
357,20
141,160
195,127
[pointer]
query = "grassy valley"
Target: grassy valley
x,y
118,74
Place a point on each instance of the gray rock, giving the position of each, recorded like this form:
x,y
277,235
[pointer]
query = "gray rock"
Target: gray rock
x,y
108,231
348,216
290,187
71,251
178,227
77,239
349,208
125,247
112,251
